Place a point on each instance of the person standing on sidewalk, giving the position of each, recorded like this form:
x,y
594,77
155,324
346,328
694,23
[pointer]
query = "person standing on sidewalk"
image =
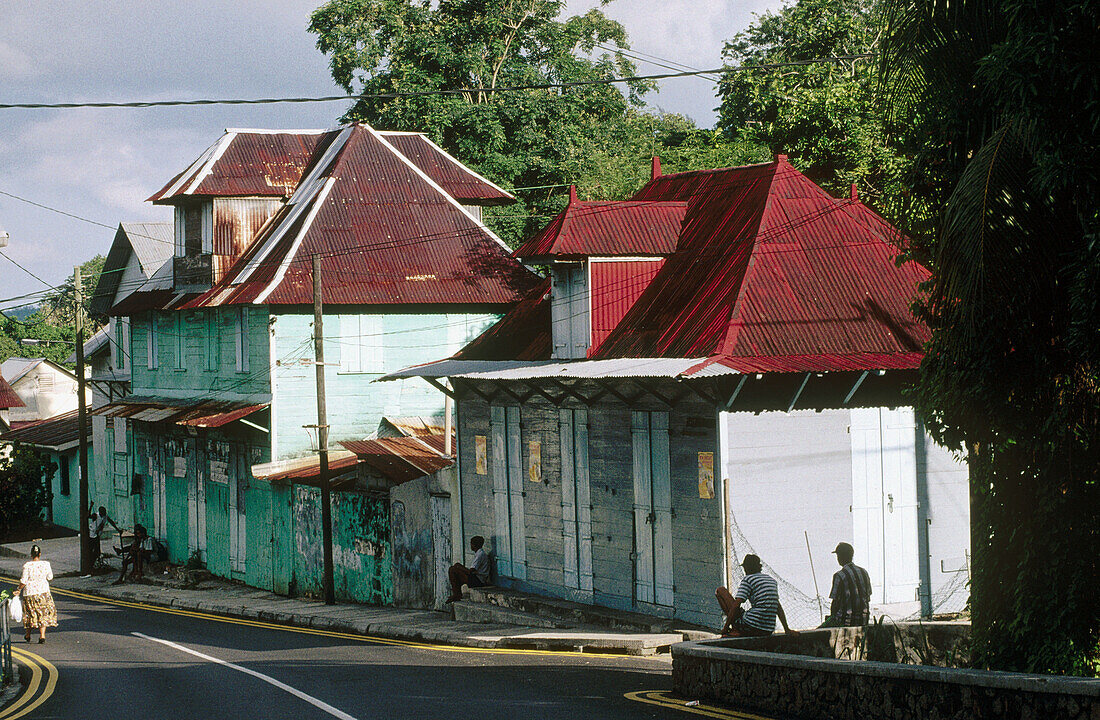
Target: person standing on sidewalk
x,y
34,591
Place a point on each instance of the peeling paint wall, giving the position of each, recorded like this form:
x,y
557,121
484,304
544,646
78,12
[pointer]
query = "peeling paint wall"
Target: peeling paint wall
x,y
414,566
361,552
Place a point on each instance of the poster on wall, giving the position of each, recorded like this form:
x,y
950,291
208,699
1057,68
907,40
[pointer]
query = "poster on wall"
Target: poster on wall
x,y
706,475
179,466
219,472
534,461
479,454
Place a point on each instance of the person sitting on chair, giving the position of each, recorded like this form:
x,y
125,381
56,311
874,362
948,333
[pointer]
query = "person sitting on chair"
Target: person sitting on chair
x,y
476,575
134,554
762,594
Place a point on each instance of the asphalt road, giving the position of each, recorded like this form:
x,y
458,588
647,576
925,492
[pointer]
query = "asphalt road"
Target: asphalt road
x,y
131,662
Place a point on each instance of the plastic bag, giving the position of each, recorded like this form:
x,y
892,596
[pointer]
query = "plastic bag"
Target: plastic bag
x,y
15,609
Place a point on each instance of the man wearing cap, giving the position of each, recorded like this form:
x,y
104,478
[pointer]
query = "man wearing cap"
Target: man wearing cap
x,y
762,594
851,593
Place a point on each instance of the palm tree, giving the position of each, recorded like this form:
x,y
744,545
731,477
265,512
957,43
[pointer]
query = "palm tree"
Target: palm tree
x,y
1004,100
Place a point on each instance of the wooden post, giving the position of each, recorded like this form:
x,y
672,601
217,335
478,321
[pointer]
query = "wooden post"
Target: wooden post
x,y
82,419
322,434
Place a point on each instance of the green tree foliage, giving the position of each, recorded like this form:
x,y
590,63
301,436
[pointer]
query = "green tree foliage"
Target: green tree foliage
x,y
825,116
24,489
597,137
50,330
1008,96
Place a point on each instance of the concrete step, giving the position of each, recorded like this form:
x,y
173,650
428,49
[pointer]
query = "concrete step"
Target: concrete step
x,y
565,613
486,613
594,642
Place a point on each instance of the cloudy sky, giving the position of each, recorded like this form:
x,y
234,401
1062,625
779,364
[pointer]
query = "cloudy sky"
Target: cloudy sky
x,y
101,164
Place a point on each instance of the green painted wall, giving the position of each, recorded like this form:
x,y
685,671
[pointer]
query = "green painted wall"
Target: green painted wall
x,y
201,374
359,348
361,553
66,508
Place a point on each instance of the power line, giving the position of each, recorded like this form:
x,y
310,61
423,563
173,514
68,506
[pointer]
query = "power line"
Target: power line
x,y
429,93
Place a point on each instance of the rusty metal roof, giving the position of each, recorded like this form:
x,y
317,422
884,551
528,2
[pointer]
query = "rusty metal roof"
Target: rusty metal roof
x,y
385,233
188,412
460,182
587,228
400,459
522,334
251,163
769,265
306,471
60,432
8,397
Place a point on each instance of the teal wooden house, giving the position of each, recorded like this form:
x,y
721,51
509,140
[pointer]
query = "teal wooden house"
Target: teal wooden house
x,y
222,363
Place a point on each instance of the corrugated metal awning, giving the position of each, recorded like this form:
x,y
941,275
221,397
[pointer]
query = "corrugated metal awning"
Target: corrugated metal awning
x,y
182,411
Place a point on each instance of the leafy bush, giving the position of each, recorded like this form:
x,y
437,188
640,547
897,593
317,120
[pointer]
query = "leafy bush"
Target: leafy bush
x,y
24,489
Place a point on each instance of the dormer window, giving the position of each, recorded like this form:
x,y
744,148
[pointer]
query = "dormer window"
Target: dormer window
x,y
194,229
569,310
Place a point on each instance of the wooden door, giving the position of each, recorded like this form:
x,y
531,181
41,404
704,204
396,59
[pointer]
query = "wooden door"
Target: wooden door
x,y
653,577
510,542
576,502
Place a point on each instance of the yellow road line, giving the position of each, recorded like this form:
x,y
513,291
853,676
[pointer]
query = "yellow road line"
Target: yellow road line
x,y
325,633
35,694
662,699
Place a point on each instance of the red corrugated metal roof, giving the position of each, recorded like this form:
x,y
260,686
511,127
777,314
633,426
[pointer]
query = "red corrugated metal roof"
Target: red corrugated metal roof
x,y
144,300
385,236
769,265
8,397
245,163
309,472
614,287
400,458
522,334
609,229
56,432
187,412
459,181
853,362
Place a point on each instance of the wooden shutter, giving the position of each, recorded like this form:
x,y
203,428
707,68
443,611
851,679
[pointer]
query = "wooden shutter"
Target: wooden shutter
x,y
568,499
584,498
662,507
643,508
515,492
502,521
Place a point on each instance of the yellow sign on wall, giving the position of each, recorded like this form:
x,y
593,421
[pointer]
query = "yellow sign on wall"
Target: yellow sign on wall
x,y
706,475
480,464
534,461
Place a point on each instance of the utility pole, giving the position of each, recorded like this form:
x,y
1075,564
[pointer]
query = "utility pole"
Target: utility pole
x,y
82,420
322,433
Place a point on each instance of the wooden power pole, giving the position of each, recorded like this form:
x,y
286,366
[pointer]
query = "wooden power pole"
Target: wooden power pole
x,y
82,420
322,434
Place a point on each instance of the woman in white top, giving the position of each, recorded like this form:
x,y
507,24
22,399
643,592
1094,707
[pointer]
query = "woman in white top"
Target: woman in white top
x,y
34,589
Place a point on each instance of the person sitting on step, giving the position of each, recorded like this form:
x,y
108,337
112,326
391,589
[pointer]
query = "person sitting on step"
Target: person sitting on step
x,y
476,575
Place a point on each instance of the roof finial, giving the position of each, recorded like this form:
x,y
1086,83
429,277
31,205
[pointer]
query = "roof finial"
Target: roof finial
x,y
855,193
572,194
655,170
780,158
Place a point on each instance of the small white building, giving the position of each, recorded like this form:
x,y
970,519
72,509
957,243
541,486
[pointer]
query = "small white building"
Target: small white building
x,y
46,389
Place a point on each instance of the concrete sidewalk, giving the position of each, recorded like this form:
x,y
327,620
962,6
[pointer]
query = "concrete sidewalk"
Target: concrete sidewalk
x,y
220,597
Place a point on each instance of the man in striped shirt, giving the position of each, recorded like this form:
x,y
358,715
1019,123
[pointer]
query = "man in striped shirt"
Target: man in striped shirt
x,y
762,594
851,593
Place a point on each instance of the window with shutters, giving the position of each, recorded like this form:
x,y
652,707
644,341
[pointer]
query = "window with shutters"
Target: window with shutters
x,y
64,475
151,340
45,382
360,338
120,348
212,340
240,337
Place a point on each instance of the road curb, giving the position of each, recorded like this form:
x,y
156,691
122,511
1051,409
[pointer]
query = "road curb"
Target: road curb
x,y
491,638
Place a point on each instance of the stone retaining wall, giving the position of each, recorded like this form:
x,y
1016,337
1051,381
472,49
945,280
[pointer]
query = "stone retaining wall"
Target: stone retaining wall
x,y
815,687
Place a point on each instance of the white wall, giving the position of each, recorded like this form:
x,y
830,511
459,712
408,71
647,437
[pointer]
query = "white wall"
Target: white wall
x,y
791,473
